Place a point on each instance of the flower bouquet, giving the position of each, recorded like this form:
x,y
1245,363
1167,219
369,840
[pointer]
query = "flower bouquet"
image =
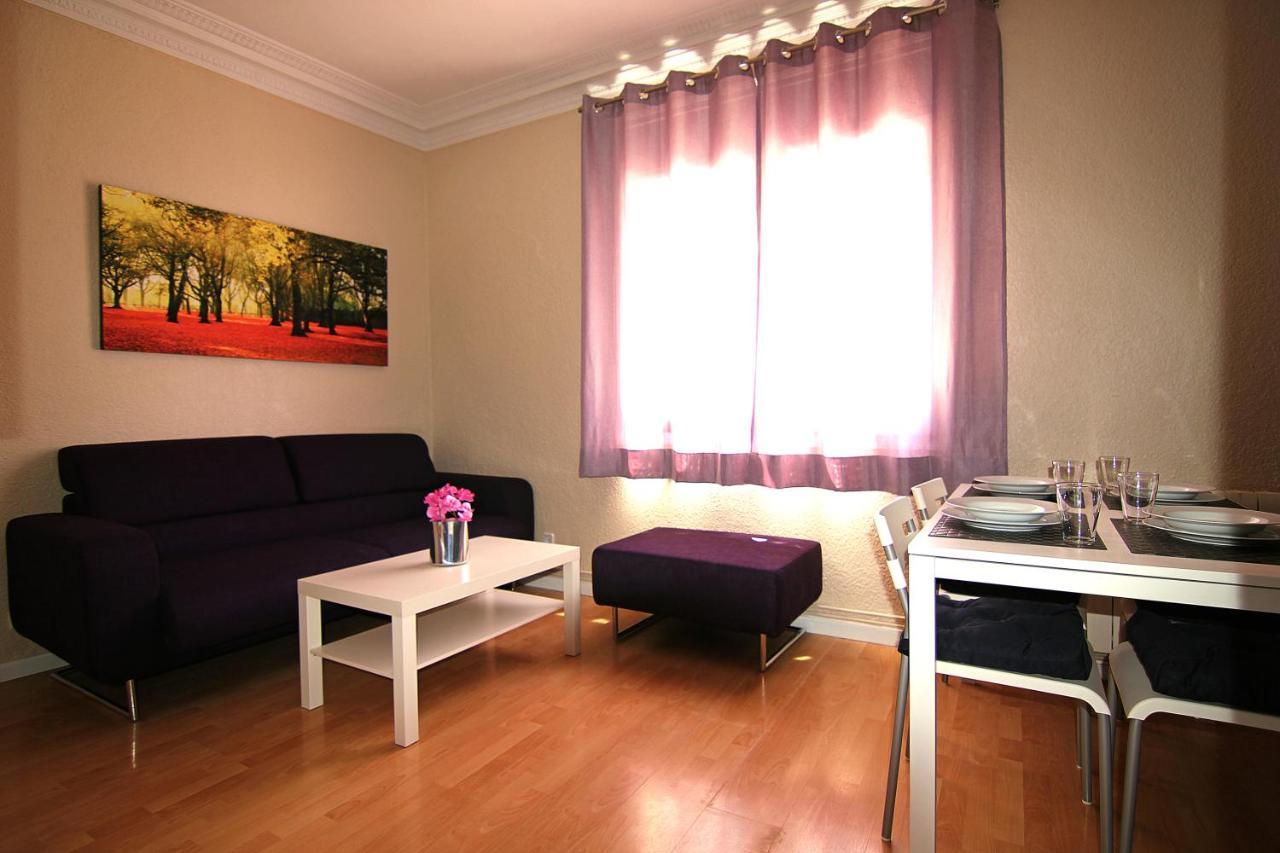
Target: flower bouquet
x,y
449,511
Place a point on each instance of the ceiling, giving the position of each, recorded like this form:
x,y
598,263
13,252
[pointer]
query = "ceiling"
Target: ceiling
x,y
431,72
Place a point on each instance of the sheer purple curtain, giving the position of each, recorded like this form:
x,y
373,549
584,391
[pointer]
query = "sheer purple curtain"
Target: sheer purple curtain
x,y
795,276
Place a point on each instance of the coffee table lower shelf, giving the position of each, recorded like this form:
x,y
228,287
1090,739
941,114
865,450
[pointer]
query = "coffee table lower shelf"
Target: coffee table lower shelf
x,y
444,631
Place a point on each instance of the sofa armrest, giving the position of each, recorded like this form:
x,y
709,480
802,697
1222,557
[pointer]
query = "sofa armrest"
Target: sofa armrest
x,y
507,496
87,590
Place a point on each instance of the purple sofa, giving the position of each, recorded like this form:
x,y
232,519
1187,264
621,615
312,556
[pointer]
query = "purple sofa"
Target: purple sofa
x,y
168,552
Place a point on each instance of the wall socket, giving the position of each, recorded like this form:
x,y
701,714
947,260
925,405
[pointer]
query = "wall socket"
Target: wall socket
x,y
548,537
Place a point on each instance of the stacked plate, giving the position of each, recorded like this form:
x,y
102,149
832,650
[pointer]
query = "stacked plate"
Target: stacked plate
x,y
1183,493
1005,514
1211,525
1002,484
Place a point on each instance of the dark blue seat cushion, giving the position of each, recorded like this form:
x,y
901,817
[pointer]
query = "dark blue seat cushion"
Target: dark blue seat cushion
x,y
757,584
147,482
1014,635
991,590
332,467
1207,654
210,599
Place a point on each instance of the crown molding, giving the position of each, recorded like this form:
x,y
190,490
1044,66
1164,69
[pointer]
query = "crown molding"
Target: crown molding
x,y
217,44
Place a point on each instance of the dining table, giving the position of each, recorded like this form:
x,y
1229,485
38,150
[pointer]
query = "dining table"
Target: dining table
x,y
1129,560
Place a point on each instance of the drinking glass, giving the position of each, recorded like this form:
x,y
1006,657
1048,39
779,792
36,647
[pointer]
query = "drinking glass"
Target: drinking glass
x,y
1067,470
1109,470
1137,493
1079,504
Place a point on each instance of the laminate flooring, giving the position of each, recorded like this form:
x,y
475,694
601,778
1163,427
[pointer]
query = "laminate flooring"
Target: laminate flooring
x,y
669,741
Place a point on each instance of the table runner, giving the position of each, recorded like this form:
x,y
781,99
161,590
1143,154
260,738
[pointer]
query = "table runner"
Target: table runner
x,y
1112,501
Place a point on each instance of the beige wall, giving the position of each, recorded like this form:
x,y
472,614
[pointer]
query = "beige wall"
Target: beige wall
x,y
79,107
1142,174
1142,258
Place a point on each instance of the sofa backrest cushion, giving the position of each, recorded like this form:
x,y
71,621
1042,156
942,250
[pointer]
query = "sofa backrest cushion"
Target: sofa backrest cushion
x,y
145,482
333,467
177,539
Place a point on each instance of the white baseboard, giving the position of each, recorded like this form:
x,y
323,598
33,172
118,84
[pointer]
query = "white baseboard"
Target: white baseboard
x,y
850,629
830,622
30,666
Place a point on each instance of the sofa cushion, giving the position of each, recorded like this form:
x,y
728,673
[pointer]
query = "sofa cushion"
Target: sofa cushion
x,y
209,599
218,532
144,482
403,537
1206,654
331,467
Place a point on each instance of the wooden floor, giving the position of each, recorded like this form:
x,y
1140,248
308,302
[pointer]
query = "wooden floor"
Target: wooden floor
x,y
669,741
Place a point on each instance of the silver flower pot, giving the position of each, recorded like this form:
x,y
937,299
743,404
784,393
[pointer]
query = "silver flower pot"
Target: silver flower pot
x,y
448,542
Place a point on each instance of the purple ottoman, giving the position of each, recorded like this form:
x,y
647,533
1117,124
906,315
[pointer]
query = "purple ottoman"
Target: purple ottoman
x,y
738,581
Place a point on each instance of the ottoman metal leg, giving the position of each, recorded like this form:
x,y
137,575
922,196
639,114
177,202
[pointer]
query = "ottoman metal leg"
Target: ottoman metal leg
x,y
766,659
623,633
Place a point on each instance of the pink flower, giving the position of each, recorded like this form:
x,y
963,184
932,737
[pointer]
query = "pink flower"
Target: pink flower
x,y
449,503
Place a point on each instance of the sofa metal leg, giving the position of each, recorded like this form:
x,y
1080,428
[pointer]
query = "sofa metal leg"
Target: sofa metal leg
x,y
766,659
122,698
623,633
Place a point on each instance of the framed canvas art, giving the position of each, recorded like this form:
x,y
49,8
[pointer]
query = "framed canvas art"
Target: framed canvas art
x,y
180,278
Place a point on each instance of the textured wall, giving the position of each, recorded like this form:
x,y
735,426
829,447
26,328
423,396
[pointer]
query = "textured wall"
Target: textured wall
x,y
1142,186
79,107
1143,175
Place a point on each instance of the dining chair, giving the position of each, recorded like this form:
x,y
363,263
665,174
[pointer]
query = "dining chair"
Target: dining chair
x,y
929,497
1034,645
1208,663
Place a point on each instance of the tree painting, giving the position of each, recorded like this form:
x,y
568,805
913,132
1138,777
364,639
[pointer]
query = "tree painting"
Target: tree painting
x,y
180,278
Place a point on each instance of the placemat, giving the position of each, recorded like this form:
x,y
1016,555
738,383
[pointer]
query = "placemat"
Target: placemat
x,y
1148,540
1051,535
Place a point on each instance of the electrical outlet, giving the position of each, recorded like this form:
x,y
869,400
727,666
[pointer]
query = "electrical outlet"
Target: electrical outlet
x,y
548,537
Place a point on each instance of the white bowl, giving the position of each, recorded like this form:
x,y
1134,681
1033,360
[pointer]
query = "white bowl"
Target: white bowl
x,y
1215,520
1004,509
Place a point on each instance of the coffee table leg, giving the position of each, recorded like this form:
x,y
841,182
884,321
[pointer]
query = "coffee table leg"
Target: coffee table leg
x,y
404,668
310,667
572,609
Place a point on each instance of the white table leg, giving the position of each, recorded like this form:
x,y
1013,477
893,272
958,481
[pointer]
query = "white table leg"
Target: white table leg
x,y
404,668
922,625
572,609
310,667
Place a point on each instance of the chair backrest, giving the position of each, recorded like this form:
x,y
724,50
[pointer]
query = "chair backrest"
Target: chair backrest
x,y
897,526
929,497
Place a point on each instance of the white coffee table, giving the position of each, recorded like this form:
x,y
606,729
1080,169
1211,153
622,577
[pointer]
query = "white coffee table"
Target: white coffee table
x,y
436,611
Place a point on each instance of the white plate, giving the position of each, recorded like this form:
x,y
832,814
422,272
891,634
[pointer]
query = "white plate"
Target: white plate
x,y
1006,483
965,517
1013,493
1004,510
1180,491
1202,498
1214,520
1266,537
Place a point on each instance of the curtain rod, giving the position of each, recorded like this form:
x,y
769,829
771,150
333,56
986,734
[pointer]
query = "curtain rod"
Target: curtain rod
x,y
759,59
